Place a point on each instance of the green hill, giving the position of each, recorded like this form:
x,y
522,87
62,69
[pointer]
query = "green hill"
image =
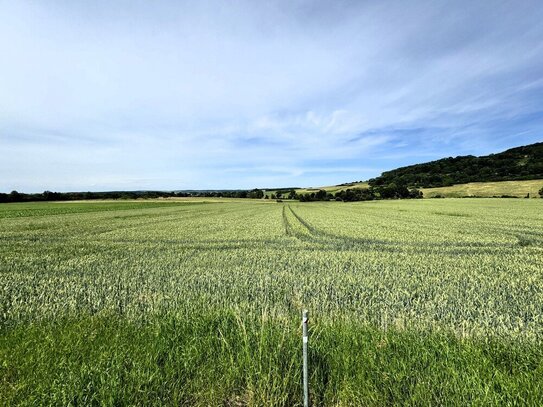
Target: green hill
x,y
520,163
516,172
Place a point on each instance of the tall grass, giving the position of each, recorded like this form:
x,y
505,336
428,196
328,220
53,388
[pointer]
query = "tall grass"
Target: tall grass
x,y
227,359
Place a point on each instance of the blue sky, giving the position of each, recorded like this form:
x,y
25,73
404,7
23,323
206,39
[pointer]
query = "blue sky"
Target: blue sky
x,y
108,95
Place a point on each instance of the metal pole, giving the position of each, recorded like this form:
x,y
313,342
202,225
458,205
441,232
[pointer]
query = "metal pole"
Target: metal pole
x,y
306,377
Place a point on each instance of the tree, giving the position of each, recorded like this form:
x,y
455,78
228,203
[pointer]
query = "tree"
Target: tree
x,y
51,196
14,196
255,194
415,194
389,192
320,195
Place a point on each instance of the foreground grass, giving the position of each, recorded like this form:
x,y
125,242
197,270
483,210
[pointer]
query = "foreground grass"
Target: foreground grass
x,y
225,359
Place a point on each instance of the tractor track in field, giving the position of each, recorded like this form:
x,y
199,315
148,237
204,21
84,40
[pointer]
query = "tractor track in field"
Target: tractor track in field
x,y
305,232
306,225
286,223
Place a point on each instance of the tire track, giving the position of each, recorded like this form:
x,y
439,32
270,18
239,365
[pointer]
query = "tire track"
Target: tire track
x,y
286,223
306,225
329,240
298,228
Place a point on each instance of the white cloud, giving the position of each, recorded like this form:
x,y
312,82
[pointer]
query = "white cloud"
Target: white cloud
x,y
174,95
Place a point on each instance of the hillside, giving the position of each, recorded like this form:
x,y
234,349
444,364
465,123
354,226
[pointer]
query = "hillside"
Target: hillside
x,y
520,163
516,172
519,189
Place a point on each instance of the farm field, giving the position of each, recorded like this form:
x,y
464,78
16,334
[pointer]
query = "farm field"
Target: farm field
x,y
418,302
488,189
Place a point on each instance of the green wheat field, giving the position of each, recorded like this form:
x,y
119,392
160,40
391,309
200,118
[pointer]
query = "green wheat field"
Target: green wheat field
x,y
419,302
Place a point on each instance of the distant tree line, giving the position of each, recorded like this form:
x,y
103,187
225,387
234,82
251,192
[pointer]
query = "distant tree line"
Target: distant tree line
x,y
355,194
15,196
515,164
285,194
391,191
252,194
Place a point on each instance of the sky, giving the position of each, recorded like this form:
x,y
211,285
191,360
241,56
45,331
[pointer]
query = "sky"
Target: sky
x,y
168,95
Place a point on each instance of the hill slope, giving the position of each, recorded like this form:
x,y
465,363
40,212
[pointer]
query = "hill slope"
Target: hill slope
x,y
518,189
520,163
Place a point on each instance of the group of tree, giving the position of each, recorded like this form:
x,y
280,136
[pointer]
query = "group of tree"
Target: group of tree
x,y
284,194
518,163
241,193
391,191
355,194
15,196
